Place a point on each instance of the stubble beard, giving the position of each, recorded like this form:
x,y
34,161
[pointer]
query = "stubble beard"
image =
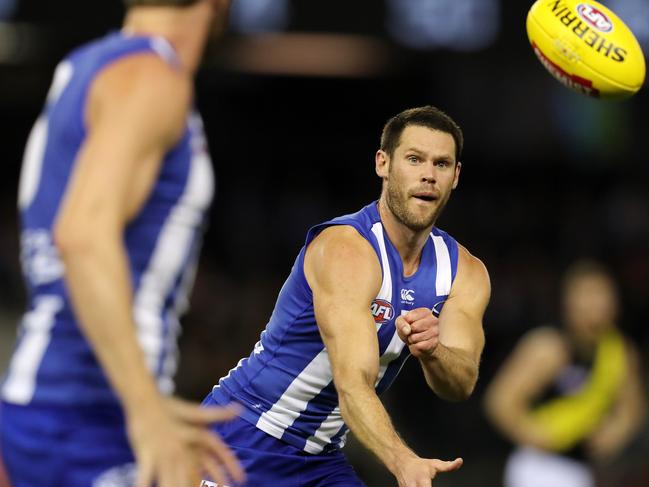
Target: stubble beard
x,y
397,203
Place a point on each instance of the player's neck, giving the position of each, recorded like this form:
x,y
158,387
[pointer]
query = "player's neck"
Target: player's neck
x,y
186,29
409,243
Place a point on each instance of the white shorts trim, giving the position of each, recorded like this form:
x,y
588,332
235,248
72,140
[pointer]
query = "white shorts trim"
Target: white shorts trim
x,y
529,467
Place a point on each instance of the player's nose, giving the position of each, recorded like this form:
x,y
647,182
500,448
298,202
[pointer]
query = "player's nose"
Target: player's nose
x,y
429,174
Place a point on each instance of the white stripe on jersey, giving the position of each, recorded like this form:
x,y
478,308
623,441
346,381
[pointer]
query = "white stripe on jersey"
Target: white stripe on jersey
x,y
30,173
330,426
306,385
169,256
327,430
386,285
164,49
444,274
37,324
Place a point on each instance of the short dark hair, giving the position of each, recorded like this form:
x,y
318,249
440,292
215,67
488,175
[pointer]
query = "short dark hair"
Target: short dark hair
x,y
585,268
426,116
159,3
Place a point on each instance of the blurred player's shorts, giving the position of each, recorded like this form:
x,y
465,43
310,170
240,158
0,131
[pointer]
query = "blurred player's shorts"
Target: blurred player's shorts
x,y
529,467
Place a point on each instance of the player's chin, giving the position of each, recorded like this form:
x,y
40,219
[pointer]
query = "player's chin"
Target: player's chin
x,y
424,213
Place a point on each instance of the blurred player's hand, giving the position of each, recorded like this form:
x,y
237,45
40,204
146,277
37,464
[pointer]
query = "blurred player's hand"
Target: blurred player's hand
x,y
173,445
419,329
419,472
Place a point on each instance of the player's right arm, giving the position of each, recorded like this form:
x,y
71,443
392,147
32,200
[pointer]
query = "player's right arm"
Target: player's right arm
x,y
532,366
344,274
136,111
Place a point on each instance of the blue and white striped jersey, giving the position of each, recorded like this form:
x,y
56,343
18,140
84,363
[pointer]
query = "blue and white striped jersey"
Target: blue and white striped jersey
x,y
286,385
52,362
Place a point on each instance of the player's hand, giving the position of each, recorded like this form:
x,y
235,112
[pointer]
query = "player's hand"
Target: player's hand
x,y
173,446
420,472
419,329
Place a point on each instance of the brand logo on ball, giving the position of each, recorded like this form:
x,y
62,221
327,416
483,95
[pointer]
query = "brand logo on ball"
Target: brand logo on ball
x,y
594,17
382,311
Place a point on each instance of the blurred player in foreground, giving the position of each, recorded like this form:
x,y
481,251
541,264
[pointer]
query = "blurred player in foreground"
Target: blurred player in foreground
x,y
115,184
569,395
366,291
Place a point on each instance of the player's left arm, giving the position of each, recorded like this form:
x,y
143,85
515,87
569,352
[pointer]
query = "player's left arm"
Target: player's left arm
x,y
449,347
627,415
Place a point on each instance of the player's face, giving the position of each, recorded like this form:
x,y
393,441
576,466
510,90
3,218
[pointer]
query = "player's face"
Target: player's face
x,y
590,305
420,175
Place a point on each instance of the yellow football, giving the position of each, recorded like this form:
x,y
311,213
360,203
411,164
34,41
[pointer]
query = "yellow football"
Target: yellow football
x,y
586,47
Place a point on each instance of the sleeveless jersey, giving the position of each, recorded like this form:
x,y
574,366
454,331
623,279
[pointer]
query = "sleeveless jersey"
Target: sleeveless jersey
x,y
52,362
286,385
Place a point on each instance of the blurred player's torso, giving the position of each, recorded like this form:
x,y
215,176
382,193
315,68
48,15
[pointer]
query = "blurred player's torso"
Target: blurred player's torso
x,y
53,363
286,386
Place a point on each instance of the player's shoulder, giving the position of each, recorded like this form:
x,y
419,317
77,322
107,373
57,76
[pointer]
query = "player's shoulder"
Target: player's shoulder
x,y
544,343
143,78
471,271
145,73
341,241
144,92
340,259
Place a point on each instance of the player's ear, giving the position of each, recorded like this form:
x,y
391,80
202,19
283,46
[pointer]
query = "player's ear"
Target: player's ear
x,y
456,179
382,166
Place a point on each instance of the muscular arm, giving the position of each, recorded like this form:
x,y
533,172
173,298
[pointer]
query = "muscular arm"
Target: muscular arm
x,y
129,129
345,275
449,349
136,111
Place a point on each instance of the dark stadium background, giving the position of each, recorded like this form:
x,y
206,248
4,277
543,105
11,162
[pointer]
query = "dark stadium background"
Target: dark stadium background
x,y
293,107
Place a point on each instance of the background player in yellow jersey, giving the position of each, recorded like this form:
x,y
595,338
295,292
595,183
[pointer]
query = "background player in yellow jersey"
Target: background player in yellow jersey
x,y
572,395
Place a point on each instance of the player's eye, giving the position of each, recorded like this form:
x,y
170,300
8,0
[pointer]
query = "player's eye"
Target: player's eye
x,y
413,159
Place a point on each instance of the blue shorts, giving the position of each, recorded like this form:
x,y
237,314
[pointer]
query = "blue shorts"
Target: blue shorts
x,y
71,447
270,462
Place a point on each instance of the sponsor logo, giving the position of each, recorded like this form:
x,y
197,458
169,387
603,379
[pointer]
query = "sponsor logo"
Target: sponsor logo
x,y
40,257
382,311
594,17
407,295
590,29
570,80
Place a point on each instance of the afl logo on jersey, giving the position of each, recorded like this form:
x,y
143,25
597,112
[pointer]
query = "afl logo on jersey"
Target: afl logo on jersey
x,y
594,17
382,311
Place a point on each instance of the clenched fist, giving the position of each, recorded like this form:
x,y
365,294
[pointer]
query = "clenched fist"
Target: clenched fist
x,y
419,329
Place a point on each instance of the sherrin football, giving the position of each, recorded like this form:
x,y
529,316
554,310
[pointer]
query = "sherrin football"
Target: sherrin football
x,y
586,47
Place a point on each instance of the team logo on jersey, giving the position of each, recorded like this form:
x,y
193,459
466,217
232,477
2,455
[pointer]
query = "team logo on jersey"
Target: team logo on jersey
x,y
382,311
407,296
437,308
595,17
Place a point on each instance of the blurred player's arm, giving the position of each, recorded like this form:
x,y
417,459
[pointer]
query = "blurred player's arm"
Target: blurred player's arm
x,y
626,416
136,111
449,349
344,274
532,366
